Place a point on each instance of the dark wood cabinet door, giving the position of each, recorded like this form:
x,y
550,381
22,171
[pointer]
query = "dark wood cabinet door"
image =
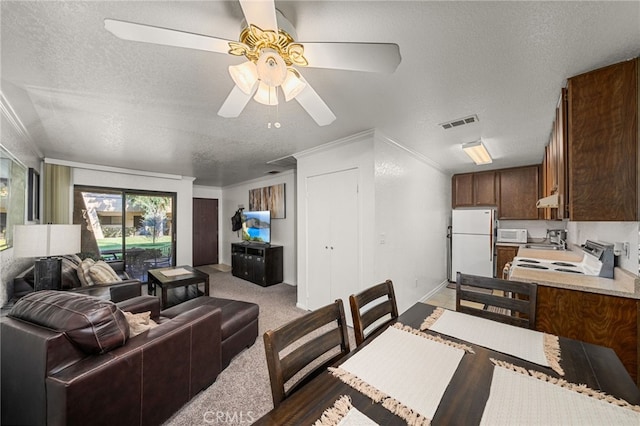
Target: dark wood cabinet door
x,y
603,144
561,156
484,188
519,189
462,190
593,318
504,255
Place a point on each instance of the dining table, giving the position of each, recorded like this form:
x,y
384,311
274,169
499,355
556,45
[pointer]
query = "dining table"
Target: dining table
x,y
467,392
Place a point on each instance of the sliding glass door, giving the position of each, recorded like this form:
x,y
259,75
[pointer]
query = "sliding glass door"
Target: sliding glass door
x,y
133,227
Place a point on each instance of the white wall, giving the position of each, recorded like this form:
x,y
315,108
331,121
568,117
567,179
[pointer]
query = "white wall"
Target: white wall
x,y
92,175
15,139
412,209
283,231
355,152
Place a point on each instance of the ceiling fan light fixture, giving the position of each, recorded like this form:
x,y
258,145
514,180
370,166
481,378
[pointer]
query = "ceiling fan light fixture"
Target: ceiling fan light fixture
x,y
245,76
477,152
272,70
292,85
266,95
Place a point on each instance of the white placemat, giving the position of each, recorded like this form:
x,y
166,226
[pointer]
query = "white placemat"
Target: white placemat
x,y
342,413
530,345
174,272
517,398
408,373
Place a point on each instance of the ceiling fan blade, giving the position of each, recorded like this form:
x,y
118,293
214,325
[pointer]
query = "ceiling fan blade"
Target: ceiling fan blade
x,y
261,13
235,102
368,57
314,105
165,36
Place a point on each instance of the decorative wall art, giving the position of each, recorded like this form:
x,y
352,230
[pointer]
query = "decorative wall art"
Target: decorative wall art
x,y
270,198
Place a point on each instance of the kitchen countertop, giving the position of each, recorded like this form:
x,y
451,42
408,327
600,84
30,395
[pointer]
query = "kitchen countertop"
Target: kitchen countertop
x,y
623,284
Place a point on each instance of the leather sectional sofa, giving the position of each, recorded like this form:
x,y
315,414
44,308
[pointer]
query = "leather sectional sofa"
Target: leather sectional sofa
x,y
68,359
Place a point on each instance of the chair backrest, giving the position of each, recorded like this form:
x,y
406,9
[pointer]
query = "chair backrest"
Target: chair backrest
x,y
304,348
373,314
510,302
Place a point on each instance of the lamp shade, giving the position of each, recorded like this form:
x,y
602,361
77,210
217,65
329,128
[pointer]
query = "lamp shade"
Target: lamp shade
x,y
266,95
244,75
292,85
477,152
45,240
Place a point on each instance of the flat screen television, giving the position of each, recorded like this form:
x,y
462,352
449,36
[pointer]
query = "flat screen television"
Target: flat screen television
x,y
256,226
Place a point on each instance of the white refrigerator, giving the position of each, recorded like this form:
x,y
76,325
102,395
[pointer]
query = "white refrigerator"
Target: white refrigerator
x,y
472,242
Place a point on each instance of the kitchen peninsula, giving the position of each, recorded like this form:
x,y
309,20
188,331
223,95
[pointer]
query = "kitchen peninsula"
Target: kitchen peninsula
x,y
597,310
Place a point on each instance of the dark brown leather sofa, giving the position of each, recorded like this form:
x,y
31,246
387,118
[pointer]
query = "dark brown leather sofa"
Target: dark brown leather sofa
x,y
67,359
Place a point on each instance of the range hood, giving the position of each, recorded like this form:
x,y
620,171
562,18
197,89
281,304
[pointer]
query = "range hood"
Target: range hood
x,y
550,201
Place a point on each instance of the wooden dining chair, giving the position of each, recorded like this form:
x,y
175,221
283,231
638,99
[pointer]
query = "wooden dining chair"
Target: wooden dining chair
x,y
304,348
510,302
378,315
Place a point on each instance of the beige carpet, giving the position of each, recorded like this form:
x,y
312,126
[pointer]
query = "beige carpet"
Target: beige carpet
x,y
242,392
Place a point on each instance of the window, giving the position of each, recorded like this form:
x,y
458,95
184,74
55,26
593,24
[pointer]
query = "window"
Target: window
x,y
132,226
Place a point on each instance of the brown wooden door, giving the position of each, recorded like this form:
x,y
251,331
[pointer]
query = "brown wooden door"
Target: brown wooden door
x,y
205,231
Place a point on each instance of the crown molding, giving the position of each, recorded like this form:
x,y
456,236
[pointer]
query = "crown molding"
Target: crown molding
x,y
12,118
379,136
367,134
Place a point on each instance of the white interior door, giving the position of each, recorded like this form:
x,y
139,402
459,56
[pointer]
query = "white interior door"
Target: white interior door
x,y
333,267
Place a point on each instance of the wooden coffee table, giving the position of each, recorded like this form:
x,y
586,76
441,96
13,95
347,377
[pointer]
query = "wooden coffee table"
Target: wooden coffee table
x,y
176,276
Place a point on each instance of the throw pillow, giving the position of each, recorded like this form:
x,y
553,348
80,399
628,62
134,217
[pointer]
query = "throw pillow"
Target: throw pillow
x,y
100,273
69,273
83,271
139,323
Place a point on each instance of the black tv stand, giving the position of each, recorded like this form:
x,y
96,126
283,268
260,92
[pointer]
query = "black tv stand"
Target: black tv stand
x,y
258,263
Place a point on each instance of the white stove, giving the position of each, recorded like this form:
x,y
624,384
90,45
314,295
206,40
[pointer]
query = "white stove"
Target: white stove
x,y
597,260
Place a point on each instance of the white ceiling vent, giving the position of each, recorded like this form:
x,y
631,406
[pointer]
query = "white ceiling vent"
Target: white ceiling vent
x,y
459,122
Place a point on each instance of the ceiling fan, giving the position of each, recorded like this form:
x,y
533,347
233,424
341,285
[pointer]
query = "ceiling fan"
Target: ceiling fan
x,y
268,42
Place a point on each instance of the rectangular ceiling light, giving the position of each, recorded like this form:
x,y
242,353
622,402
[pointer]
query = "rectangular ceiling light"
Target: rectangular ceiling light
x,y
477,152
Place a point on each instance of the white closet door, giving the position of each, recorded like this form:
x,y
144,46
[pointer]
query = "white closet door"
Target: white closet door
x,y
332,238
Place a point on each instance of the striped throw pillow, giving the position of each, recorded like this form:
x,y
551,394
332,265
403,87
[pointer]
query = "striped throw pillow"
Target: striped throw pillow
x,y
83,272
102,273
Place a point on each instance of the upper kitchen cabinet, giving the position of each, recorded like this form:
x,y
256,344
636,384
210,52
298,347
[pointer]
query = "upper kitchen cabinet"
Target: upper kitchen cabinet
x,y
603,144
474,189
518,191
554,165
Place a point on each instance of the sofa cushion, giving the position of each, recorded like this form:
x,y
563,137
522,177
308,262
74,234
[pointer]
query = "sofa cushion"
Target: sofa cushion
x,y
236,314
94,325
100,273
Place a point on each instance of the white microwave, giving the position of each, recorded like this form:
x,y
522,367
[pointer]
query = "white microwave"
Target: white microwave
x,y
511,235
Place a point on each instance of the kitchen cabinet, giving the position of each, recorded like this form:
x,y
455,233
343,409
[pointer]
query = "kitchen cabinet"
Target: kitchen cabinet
x,y
518,191
474,189
603,144
504,255
554,165
593,318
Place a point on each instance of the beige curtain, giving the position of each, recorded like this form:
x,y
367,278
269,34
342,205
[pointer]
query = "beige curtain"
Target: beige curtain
x,y
57,189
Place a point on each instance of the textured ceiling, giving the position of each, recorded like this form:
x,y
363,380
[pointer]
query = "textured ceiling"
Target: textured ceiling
x,y
84,95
